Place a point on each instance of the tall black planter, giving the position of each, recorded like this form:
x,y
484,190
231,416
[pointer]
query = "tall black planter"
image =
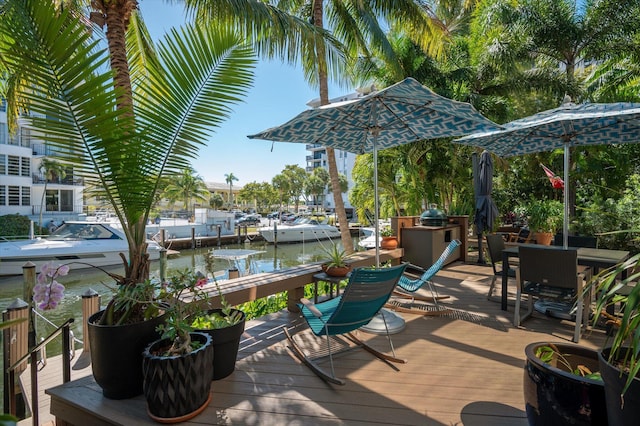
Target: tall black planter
x,y
116,355
226,342
177,388
555,397
619,414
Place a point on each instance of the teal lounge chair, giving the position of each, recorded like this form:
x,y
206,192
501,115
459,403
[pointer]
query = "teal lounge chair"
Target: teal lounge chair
x,y
365,294
407,287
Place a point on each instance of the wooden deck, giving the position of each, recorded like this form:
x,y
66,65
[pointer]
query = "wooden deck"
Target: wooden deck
x,y
464,368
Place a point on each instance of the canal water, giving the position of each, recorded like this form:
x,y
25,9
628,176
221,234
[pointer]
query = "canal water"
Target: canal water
x,y
80,281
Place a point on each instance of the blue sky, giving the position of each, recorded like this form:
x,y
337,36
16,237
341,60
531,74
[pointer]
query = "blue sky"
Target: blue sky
x,y
278,94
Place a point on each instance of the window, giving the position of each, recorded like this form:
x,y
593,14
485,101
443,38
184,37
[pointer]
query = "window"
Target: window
x,y
26,196
14,195
25,137
3,164
4,133
3,195
14,165
25,166
66,201
52,200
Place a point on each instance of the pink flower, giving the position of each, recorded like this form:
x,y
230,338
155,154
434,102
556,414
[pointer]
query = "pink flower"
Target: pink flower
x,y
48,292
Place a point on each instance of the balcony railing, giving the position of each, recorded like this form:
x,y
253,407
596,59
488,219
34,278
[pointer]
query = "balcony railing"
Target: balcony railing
x,y
39,178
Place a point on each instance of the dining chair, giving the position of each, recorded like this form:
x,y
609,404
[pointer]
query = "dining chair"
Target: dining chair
x,y
552,274
495,245
576,240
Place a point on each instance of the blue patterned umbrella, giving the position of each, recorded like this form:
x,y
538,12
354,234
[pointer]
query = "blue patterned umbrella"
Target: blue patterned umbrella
x,y
563,127
402,113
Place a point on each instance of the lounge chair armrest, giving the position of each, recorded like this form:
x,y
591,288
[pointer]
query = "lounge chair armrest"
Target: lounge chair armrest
x,y
309,305
414,267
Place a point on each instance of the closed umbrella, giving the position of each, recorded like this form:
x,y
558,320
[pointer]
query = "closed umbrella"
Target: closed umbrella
x,y
486,210
563,127
402,113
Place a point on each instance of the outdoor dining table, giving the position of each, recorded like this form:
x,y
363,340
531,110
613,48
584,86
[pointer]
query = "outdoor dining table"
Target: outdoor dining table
x,y
592,257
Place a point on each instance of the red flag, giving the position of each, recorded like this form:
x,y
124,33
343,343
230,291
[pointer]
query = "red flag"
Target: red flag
x,y
556,182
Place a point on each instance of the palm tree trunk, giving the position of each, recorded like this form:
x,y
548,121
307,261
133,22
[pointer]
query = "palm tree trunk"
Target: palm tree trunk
x,y
116,14
345,234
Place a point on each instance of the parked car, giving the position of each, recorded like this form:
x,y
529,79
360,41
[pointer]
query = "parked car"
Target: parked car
x,y
272,215
248,221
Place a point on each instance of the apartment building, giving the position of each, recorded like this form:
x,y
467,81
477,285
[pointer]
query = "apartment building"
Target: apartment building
x,y
23,182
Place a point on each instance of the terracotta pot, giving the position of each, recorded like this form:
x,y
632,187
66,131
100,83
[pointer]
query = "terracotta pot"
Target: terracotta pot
x,y
389,243
544,238
337,271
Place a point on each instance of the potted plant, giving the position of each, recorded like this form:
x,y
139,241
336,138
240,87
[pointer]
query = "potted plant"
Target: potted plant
x,y
562,385
545,219
178,368
336,265
225,325
389,239
620,358
122,129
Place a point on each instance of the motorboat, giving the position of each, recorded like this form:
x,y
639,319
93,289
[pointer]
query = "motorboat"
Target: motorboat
x,y
300,230
87,243
369,242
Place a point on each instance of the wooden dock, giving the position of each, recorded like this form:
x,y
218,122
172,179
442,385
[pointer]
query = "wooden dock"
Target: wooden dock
x,y
464,368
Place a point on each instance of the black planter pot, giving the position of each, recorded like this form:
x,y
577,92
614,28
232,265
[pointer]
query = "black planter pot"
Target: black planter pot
x,y
116,355
555,397
177,388
226,342
614,382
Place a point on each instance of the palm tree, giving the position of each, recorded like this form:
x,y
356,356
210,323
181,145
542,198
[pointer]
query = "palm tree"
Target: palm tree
x,y
558,42
122,137
229,178
186,187
358,25
50,169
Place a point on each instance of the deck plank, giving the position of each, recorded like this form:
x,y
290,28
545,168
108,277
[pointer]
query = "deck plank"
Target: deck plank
x,y
463,368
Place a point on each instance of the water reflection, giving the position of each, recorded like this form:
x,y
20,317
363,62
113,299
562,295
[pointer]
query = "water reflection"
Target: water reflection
x,y
78,282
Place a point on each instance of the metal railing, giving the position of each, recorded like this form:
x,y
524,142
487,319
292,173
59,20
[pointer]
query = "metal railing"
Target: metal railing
x,y
32,355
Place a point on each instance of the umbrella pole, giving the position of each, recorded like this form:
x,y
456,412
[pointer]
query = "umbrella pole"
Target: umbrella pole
x,y
565,222
375,200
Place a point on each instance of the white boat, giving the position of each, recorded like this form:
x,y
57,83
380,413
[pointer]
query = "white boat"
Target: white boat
x,y
300,230
369,242
92,243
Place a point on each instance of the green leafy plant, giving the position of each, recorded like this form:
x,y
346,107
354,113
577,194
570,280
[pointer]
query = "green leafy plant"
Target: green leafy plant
x,y
122,129
550,353
337,257
227,316
178,326
387,231
608,286
545,215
